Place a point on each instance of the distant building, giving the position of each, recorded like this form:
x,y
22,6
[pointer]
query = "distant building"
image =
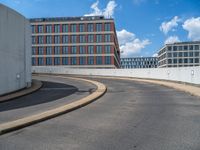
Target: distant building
x,y
181,54
15,51
78,42
139,62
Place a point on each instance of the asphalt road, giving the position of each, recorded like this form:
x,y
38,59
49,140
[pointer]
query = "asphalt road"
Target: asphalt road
x,y
130,116
51,95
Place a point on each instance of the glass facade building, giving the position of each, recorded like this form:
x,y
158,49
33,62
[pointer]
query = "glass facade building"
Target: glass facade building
x,y
139,62
181,54
75,42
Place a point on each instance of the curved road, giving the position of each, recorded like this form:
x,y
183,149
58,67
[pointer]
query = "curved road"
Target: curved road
x,y
130,116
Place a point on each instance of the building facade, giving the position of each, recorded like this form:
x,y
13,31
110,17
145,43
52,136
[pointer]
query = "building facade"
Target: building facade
x,y
181,54
77,42
139,62
15,51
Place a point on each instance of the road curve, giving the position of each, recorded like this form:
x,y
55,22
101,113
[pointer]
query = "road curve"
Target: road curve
x,y
131,115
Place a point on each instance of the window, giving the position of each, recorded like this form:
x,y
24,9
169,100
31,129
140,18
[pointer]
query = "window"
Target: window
x,y
82,49
56,61
107,27
81,27
99,38
99,49
49,50
48,61
33,61
99,27
73,38
65,60
169,48
56,28
185,54
175,61
90,38
185,60
65,50
74,50
196,60
196,54
185,47
107,60
49,39
191,60
90,49
40,61
40,29
82,38
90,27
65,28
73,61
40,39
73,28
40,50
180,48
65,39
175,54
107,38
169,54
191,47
180,61
196,47
90,60
174,48
33,50
169,61
48,28
56,50
82,60
56,39
33,40
180,54
99,60
190,54
107,49
33,28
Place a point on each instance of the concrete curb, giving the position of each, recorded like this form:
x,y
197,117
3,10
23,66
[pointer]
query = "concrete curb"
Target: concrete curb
x,y
26,121
36,85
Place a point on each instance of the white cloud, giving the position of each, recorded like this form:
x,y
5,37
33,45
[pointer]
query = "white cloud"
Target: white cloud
x,y
172,39
192,25
165,27
129,44
106,12
155,55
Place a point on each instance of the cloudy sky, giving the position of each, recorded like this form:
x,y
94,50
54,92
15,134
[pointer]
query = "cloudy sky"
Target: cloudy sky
x,y
143,26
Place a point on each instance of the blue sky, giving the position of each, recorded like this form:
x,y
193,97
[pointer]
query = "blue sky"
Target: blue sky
x,y
143,26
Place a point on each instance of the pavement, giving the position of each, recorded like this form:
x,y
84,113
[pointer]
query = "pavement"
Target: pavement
x,y
131,115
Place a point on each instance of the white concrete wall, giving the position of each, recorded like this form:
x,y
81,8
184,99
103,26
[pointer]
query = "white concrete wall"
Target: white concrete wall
x,y
183,74
15,51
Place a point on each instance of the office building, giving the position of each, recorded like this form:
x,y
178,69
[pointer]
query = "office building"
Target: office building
x,y
77,42
139,62
181,54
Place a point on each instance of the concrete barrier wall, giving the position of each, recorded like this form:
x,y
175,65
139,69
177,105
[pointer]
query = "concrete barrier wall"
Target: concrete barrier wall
x,y
183,74
15,51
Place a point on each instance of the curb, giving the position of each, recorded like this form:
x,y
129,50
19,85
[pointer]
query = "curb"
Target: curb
x,y
36,85
26,121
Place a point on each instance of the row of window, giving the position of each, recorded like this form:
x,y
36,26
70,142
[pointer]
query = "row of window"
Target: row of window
x,y
184,47
71,50
185,60
183,54
56,28
90,60
138,59
139,63
138,66
72,39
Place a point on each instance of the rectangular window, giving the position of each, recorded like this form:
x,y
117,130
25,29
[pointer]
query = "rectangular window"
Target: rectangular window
x,y
57,50
57,61
185,47
40,51
48,61
90,38
74,50
57,39
73,38
107,27
191,47
185,60
73,61
82,60
33,28
191,60
107,49
82,38
65,60
40,39
180,54
90,49
49,28
65,28
180,61
99,38
185,54
40,61
107,60
33,61
90,60
49,50
49,39
56,28
180,48
196,47
65,50
65,39
107,38
82,49
190,54
196,54
99,49
73,28
99,60
33,50
175,54
175,48
40,29
99,27
33,40
169,48
90,27
81,27
196,60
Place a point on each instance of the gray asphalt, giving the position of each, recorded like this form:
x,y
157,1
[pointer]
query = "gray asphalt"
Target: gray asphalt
x,y
51,95
130,116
